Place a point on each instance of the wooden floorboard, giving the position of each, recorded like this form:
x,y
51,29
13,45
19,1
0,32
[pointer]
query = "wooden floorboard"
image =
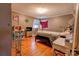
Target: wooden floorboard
x,y
31,48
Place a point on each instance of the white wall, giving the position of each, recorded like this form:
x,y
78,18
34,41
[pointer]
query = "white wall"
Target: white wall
x,y
58,24
22,19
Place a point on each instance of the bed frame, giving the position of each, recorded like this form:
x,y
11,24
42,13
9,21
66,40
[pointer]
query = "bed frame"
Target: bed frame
x,y
43,39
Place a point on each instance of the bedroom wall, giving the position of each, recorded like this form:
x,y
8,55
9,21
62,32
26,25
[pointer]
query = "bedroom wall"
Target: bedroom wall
x,y
22,19
54,24
59,23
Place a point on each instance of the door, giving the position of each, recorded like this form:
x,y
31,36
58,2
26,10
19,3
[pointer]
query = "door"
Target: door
x,y
5,29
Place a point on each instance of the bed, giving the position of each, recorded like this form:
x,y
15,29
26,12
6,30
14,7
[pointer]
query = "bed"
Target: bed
x,y
46,36
49,34
51,38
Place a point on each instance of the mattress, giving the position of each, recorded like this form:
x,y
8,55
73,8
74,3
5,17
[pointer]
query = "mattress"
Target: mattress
x,y
51,33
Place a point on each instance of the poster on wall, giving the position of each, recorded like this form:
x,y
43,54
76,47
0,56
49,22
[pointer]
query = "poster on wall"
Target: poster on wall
x,y
16,19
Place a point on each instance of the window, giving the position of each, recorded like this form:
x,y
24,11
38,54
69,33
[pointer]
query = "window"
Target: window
x,y
36,23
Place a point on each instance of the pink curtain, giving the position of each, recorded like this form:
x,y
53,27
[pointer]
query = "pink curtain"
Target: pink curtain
x,y
44,24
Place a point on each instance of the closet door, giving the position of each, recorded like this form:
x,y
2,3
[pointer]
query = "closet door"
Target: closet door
x,y
5,29
75,46
77,30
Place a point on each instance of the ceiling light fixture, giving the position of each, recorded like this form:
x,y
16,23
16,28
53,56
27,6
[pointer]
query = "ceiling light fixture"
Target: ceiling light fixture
x,y
41,10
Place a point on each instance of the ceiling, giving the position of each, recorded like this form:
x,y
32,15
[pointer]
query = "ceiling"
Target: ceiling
x,y
54,9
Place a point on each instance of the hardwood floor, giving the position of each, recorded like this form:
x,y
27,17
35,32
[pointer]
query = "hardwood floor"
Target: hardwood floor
x,y
31,48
